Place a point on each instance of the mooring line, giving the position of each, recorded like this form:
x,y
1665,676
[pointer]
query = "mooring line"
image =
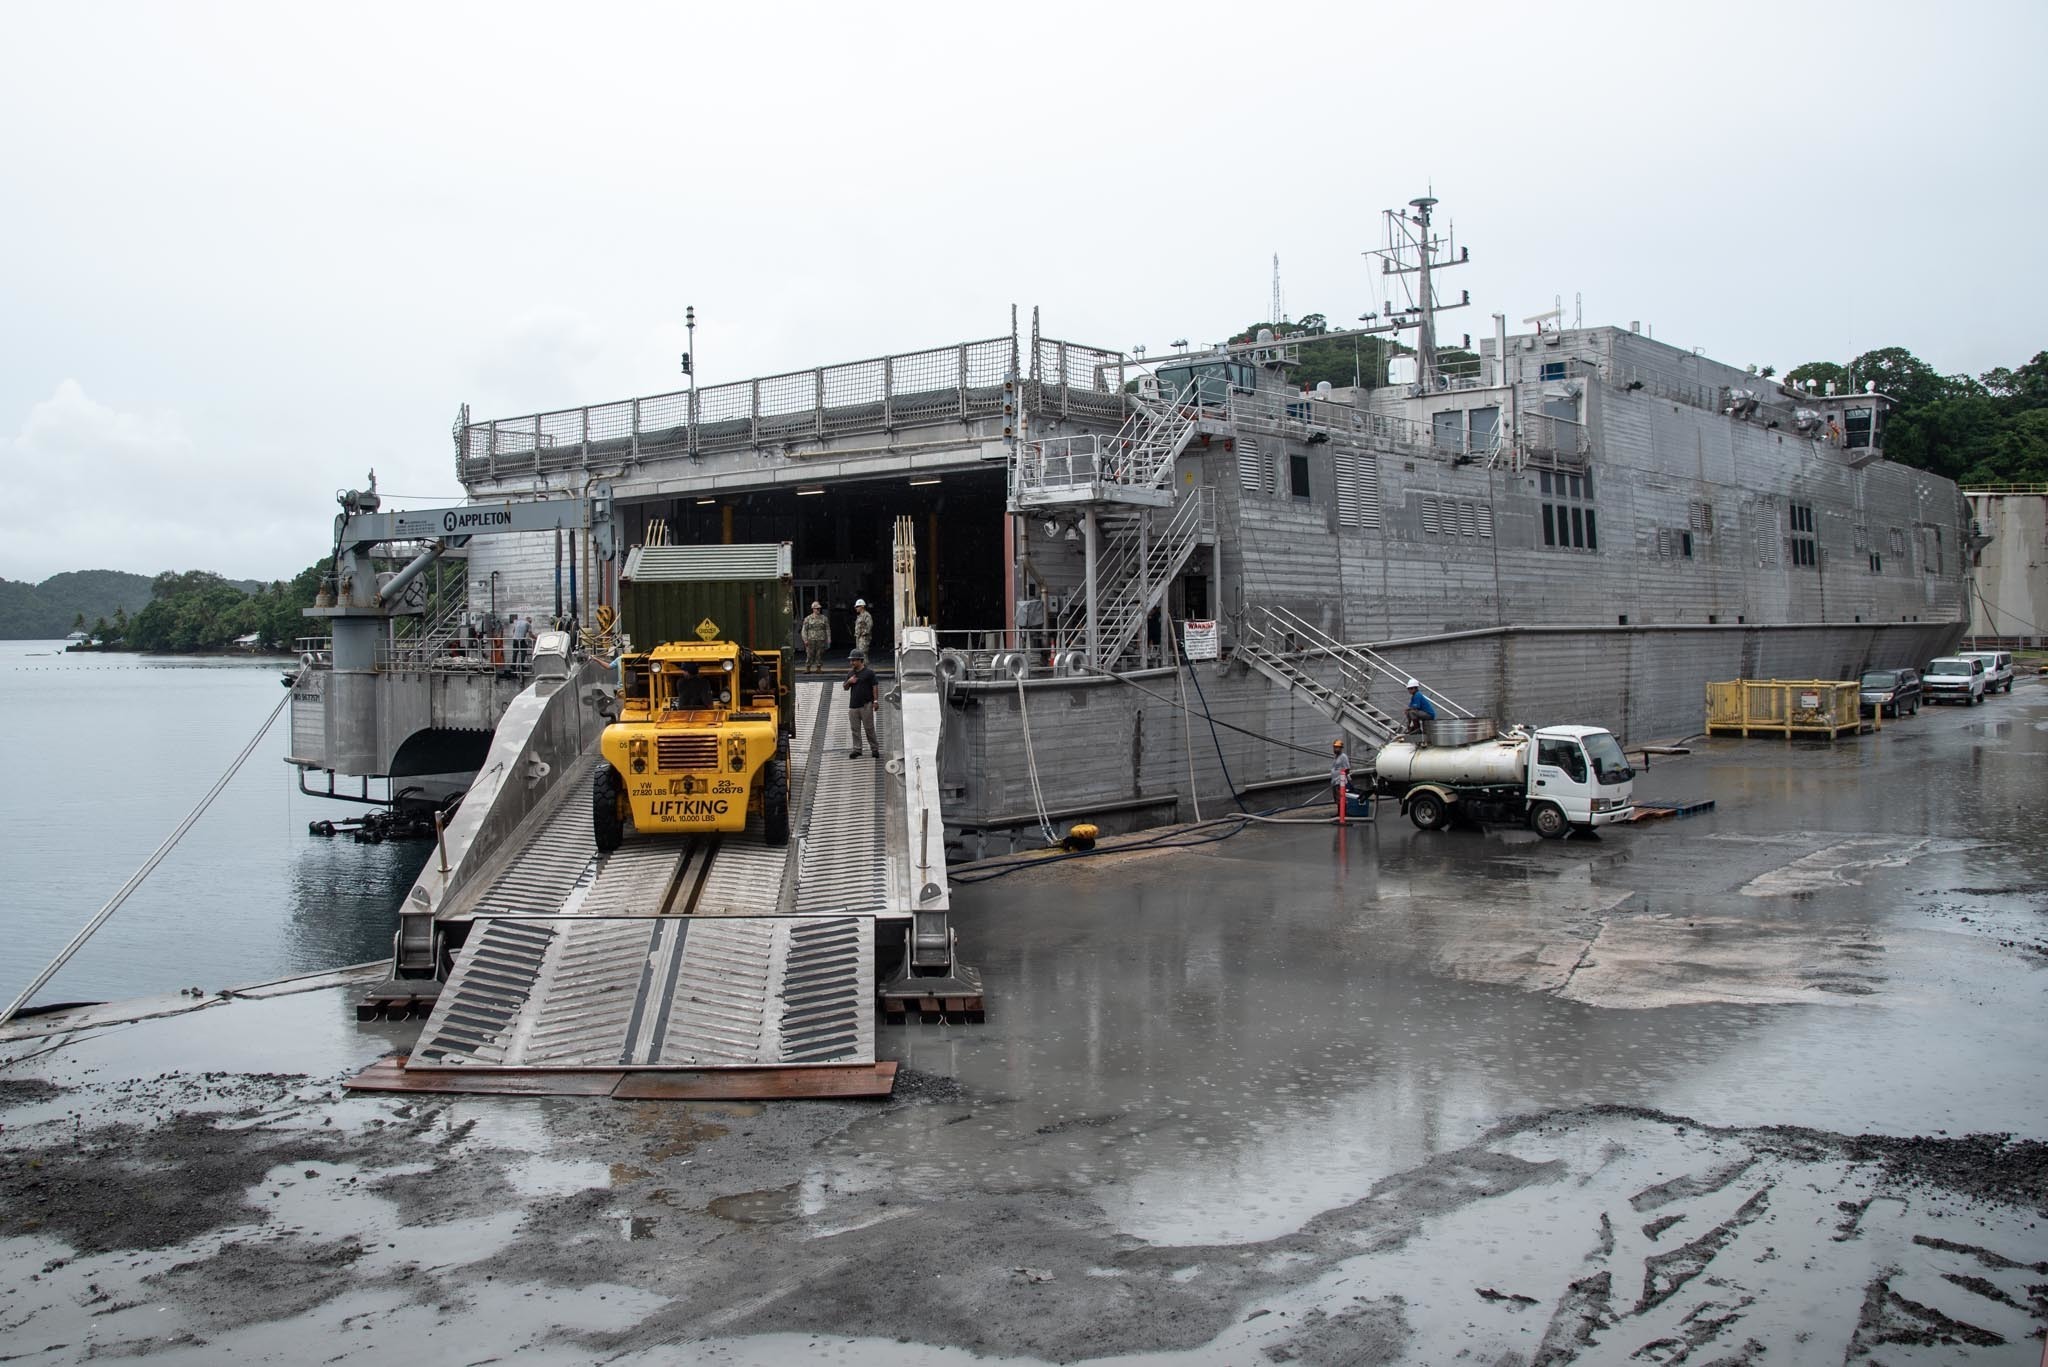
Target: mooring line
x,y
135,880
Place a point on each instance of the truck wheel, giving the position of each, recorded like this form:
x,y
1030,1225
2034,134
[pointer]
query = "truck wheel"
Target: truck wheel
x,y
1548,819
607,822
1426,810
775,803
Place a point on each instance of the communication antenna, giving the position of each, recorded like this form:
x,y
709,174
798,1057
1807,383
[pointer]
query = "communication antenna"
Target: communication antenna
x,y
1414,250
1279,314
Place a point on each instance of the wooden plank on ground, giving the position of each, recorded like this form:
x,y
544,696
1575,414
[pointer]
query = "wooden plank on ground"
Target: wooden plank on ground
x,y
642,1084
391,1075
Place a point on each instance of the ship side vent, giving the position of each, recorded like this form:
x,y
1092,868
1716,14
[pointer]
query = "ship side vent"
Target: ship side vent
x,y
1358,489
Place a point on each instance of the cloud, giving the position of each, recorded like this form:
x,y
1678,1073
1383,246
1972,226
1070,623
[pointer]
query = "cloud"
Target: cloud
x,y
91,486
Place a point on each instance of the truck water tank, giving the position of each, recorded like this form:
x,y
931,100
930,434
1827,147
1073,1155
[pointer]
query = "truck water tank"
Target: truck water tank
x,y
1460,730
1493,763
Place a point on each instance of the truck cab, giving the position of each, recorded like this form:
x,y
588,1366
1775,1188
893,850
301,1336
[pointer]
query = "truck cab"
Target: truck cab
x,y
1580,772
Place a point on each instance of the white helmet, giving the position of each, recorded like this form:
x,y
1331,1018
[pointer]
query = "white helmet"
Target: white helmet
x,y
860,602
1411,684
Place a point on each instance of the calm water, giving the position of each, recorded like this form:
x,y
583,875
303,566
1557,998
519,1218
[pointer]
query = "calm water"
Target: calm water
x,y
106,755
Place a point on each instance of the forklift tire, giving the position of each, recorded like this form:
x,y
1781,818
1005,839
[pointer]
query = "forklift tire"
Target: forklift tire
x,y
775,803
1548,819
1427,811
607,822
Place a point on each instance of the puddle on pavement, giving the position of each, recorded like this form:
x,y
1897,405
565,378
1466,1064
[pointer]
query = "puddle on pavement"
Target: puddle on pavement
x,y
776,1206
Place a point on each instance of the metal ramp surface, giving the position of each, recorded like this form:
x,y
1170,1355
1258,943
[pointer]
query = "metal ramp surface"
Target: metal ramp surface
x,y
669,960
588,992
847,861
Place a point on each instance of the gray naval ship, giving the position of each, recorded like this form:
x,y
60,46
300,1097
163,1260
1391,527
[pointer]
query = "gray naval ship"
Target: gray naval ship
x,y
1163,585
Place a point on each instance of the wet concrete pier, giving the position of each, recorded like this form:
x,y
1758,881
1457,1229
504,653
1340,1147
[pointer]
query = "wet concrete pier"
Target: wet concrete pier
x,y
1767,1084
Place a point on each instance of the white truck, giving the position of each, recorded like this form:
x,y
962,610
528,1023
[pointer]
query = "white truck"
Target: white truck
x,y
1557,779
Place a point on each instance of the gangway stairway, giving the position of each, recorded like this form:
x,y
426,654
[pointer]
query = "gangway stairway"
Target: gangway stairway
x,y
1115,482
1281,645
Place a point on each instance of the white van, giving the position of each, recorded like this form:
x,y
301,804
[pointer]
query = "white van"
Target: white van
x,y
1953,679
1997,668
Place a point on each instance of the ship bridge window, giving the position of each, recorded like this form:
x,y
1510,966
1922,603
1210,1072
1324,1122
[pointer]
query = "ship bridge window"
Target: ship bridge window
x,y
1213,380
1859,427
1552,370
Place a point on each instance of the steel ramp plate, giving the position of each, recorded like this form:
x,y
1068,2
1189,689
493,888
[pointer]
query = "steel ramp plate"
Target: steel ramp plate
x,y
595,992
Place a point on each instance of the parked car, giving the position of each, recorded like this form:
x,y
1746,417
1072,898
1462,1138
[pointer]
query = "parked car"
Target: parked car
x,y
1997,668
1953,678
1892,691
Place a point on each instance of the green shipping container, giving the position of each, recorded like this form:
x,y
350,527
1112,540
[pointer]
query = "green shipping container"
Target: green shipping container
x,y
666,593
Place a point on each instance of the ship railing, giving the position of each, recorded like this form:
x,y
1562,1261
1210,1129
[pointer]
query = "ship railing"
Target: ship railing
x,y
1139,455
957,383
1553,442
1070,380
1116,561
1993,489
1359,667
1301,415
317,651
1658,384
462,653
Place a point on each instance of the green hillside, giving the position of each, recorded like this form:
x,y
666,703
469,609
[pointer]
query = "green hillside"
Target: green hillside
x,y
46,611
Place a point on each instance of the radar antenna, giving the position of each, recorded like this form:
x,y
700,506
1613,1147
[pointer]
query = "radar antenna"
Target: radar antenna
x,y
1414,250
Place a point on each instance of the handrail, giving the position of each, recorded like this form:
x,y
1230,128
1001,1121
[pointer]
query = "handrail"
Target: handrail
x,y
1139,455
1121,616
1290,622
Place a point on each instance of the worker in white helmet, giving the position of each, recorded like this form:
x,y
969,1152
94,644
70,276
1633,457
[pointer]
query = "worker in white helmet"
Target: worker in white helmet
x,y
863,627
1420,709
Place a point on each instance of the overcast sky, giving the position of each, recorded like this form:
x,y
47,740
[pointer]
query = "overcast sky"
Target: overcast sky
x,y
251,251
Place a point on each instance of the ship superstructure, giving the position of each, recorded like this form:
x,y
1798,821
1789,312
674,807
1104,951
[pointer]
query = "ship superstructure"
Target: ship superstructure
x,y
1580,522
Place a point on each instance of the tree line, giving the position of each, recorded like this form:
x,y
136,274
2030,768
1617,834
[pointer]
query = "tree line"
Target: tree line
x,y
198,611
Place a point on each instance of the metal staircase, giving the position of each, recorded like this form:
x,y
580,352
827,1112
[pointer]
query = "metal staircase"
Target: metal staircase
x,y
1134,465
1124,594
1281,644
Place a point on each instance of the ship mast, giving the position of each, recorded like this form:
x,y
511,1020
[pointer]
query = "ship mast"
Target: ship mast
x,y
1412,250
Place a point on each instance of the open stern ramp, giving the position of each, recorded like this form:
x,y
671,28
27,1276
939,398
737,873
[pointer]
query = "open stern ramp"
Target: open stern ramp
x,y
668,992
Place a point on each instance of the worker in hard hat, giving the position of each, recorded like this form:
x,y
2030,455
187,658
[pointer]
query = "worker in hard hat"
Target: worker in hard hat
x,y
1420,709
1340,767
863,627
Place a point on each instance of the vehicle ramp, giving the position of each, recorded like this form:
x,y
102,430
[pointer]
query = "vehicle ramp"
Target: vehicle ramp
x,y
580,972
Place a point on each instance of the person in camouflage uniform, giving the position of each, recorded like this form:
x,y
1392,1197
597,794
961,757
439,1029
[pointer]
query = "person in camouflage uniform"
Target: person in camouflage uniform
x,y
863,627
817,635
